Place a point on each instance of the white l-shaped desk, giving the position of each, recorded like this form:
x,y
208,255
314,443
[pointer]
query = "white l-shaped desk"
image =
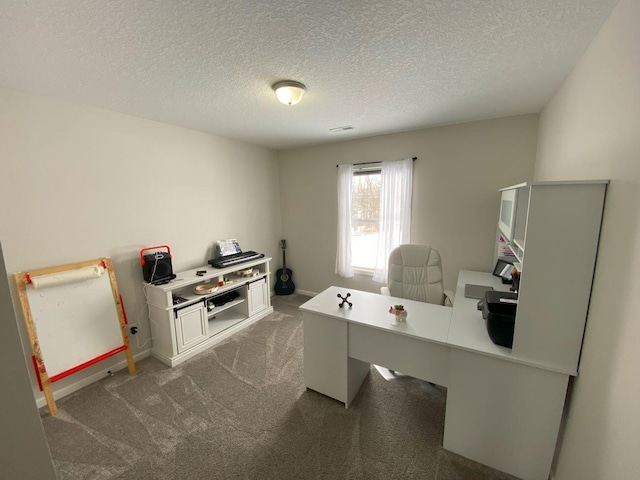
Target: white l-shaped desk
x,y
502,411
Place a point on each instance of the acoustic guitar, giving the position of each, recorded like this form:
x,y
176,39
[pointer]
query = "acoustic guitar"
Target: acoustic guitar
x,y
284,283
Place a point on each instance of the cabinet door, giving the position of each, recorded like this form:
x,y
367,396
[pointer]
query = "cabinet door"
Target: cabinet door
x,y
191,326
257,295
507,213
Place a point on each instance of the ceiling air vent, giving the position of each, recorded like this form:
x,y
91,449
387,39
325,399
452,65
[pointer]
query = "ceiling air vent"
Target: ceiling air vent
x,y
341,129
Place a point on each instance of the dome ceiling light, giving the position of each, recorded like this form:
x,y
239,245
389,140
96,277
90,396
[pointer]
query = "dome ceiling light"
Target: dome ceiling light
x,y
289,92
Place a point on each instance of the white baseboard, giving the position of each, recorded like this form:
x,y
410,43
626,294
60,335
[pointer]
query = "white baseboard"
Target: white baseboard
x,y
305,292
74,387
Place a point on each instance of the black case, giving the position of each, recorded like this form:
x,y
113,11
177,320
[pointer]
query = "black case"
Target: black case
x,y
161,261
500,317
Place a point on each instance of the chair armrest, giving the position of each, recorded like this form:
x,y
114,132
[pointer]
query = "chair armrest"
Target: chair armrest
x,y
449,297
385,291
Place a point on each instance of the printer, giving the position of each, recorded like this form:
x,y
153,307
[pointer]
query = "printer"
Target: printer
x,y
499,313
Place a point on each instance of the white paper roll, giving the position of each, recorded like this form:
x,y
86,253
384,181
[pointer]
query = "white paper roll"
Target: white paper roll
x,y
78,275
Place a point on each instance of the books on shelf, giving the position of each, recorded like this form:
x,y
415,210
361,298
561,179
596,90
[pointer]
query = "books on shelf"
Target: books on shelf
x,y
504,249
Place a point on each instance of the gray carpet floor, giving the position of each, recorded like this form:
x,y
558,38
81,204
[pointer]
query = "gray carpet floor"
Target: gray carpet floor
x,y
240,411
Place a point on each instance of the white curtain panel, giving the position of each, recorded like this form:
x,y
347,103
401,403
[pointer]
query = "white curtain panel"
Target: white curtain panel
x,y
395,212
343,257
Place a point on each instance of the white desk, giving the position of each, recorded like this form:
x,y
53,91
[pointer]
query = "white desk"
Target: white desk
x,y
501,411
341,343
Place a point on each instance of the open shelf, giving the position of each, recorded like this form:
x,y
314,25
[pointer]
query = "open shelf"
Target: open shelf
x,y
517,247
217,310
225,319
518,242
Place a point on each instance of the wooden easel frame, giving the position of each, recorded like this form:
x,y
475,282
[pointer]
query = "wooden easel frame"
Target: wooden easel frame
x,y
22,279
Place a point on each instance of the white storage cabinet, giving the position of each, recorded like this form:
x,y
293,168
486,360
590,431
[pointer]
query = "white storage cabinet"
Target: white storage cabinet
x,y
183,329
191,326
555,239
519,393
257,295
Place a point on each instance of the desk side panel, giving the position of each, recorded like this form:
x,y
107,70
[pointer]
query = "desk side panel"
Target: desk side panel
x,y
325,356
162,324
358,372
503,414
418,358
563,230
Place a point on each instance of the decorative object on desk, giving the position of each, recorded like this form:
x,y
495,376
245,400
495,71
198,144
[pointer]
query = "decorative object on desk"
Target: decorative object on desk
x,y
344,300
399,314
205,288
515,278
284,283
156,267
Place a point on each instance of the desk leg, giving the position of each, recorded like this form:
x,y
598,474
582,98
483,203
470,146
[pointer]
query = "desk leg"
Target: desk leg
x,y
327,367
503,414
325,356
357,371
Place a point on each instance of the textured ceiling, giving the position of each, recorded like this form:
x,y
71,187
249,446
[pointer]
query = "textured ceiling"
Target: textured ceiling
x,y
380,66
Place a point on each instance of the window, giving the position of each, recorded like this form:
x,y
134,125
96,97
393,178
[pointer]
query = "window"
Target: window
x,y
374,216
365,218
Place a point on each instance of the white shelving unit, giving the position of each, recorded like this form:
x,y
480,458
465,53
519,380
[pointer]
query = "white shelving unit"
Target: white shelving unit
x,y
519,393
558,225
184,328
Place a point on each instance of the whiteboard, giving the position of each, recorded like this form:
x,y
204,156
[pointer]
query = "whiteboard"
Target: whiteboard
x,y
75,322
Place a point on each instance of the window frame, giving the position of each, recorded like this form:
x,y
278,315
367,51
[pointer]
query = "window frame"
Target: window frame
x,y
370,169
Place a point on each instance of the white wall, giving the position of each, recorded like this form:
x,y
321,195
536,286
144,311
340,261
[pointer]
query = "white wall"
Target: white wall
x,y
455,199
79,183
591,129
24,452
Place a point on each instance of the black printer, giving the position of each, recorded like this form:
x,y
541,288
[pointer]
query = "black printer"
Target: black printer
x,y
499,313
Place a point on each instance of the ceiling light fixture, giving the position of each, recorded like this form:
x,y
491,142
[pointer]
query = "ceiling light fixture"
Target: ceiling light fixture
x,y
289,92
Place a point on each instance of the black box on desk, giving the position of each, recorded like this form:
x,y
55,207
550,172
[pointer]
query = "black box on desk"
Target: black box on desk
x,y
499,313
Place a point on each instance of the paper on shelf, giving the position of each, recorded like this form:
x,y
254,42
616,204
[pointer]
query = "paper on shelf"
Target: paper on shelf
x,y
229,247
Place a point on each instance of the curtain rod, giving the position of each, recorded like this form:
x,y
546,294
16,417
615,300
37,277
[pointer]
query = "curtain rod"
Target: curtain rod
x,y
369,163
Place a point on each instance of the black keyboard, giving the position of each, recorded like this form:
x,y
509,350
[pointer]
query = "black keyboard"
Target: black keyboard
x,y
234,258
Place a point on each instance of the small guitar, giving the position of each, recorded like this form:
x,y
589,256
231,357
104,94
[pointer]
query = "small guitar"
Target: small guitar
x,y
284,283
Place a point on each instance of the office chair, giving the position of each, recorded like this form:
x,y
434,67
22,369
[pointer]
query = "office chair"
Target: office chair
x,y
415,273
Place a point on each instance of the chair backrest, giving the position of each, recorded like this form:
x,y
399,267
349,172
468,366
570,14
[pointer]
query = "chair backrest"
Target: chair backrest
x,y
415,272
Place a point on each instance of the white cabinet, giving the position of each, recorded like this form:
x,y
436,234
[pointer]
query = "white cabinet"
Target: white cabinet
x,y
506,218
257,296
512,219
184,323
191,326
559,224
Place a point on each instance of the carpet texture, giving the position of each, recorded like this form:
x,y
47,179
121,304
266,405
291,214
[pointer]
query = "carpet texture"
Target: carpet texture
x,y
240,411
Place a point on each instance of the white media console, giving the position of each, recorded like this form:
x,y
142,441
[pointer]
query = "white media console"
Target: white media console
x,y
184,323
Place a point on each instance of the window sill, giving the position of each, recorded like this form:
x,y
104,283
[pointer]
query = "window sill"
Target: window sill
x,y
367,272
